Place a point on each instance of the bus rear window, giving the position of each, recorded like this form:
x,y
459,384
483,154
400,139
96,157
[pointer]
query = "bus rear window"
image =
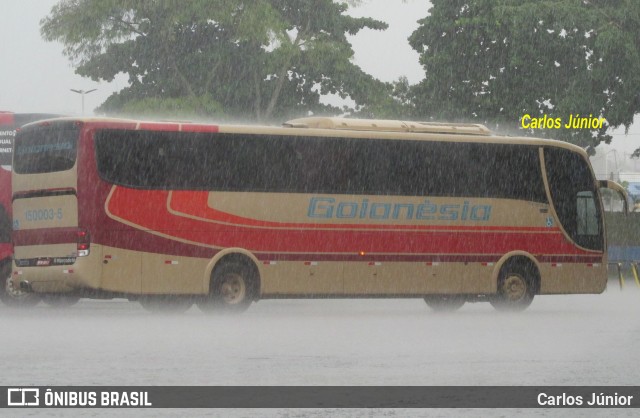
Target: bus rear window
x,y
45,149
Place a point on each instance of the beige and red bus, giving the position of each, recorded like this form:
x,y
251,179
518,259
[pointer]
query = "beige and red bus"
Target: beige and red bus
x,y
175,213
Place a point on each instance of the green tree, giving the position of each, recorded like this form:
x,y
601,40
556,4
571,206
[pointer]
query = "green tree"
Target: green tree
x,y
494,61
394,100
260,60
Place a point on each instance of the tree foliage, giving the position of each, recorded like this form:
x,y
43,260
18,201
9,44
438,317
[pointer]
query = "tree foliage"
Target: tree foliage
x,y
494,61
260,60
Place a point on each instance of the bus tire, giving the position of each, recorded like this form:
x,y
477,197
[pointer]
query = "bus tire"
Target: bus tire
x,y
12,296
517,285
60,301
444,303
166,303
232,289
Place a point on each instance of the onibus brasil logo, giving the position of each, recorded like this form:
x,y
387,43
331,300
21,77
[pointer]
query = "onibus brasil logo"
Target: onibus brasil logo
x,y
23,397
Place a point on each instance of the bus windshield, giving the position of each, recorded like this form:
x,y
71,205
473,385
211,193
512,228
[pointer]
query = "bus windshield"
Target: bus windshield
x,y
575,197
46,149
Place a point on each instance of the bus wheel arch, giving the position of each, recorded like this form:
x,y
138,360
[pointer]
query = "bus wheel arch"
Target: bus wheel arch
x,y
517,281
233,282
229,255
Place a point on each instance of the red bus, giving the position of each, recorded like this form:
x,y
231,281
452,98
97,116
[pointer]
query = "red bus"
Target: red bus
x,y
9,123
175,213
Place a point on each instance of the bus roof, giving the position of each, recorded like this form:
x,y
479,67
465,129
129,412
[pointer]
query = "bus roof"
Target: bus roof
x,y
335,127
381,125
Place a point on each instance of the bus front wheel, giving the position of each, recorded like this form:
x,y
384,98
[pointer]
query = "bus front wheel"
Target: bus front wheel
x,y
232,289
12,295
444,303
516,288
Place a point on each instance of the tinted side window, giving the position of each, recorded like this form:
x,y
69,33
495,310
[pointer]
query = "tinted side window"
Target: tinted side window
x,y
234,162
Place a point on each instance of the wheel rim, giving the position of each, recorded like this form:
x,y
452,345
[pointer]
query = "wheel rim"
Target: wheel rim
x,y
11,290
514,287
233,289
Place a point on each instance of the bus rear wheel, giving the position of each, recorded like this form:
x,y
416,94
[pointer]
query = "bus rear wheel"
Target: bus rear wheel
x,y
444,303
232,289
516,288
12,295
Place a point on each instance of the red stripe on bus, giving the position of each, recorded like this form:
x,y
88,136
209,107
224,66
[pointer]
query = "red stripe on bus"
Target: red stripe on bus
x,y
6,251
194,127
144,210
45,236
5,190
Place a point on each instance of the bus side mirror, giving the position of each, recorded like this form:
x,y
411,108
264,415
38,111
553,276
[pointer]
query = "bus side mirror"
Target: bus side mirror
x,y
617,188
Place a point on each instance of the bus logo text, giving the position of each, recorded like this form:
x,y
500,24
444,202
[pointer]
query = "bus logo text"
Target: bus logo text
x,y
327,207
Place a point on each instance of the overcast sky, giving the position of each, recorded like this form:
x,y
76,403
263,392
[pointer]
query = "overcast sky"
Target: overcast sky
x,y
36,77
